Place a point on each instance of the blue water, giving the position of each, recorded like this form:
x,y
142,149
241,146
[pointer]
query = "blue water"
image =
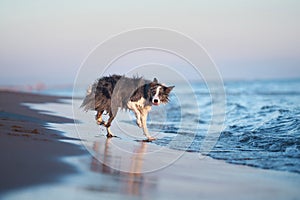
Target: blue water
x,y
262,126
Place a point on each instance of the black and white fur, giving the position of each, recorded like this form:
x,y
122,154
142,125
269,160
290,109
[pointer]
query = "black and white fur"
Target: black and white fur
x,y
137,94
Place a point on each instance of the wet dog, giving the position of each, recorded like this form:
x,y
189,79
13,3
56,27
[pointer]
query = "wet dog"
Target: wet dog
x,y
109,93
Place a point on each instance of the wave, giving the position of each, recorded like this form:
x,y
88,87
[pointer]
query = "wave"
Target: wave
x,y
262,127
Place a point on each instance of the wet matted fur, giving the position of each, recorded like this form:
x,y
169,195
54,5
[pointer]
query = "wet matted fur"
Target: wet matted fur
x,y
137,94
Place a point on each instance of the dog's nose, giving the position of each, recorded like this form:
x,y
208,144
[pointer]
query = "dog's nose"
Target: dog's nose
x,y
155,100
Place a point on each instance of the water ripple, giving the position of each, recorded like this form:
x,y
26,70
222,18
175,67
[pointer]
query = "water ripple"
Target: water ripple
x,y
262,125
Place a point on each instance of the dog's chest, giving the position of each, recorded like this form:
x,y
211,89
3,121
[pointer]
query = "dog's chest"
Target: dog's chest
x,y
141,104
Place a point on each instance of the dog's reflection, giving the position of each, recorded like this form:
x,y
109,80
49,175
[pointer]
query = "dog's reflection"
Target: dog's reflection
x,y
105,157
132,182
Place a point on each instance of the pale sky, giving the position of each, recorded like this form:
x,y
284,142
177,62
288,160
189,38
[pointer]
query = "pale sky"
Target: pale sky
x,y
46,41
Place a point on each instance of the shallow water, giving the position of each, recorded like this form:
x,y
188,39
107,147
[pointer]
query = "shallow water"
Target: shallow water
x,y
262,126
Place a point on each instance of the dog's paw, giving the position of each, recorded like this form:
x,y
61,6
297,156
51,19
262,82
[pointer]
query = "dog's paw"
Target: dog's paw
x,y
109,135
150,139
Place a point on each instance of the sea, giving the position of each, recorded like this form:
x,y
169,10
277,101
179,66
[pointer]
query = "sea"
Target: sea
x,y
261,127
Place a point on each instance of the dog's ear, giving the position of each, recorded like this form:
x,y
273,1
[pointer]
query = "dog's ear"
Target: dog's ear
x,y
168,89
155,80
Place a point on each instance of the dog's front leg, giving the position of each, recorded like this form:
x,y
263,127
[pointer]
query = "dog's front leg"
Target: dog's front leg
x,y
144,115
132,106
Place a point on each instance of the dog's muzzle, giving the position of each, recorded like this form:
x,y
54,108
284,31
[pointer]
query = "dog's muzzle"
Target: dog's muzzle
x,y
155,101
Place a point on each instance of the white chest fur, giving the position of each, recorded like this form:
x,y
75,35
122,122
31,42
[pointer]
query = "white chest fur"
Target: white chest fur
x,y
141,104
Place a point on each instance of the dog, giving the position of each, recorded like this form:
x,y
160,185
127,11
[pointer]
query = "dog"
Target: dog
x,y
109,93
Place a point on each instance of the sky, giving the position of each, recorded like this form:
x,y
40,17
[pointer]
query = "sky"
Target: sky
x,y
47,41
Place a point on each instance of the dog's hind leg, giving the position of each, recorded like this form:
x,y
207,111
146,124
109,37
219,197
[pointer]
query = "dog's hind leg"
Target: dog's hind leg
x,y
108,124
99,117
109,133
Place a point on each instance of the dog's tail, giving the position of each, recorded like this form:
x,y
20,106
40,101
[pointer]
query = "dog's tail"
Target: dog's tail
x,y
89,100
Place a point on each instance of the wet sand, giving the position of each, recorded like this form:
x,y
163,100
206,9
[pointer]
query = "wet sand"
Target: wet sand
x,y
30,157
30,152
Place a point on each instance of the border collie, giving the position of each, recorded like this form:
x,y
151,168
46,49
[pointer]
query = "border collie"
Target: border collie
x,y
137,94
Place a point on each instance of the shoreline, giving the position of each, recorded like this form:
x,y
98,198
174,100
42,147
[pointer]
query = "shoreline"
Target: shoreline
x,y
30,152
35,153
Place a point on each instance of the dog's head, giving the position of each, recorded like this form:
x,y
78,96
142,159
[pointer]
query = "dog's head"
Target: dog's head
x,y
159,93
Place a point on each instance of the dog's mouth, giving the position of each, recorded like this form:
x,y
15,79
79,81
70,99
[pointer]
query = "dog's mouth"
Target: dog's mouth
x,y
156,104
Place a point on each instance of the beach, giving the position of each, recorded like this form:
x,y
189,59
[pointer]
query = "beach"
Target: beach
x,y
29,151
40,162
